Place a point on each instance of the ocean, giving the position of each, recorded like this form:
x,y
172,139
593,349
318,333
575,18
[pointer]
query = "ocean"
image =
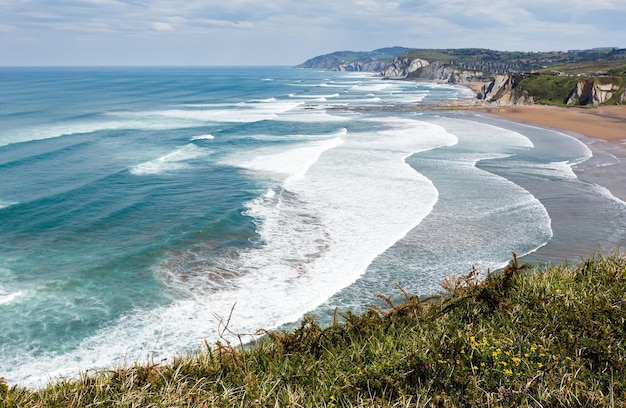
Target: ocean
x,y
146,210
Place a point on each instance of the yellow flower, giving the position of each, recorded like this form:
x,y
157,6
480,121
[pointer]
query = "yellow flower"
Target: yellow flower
x,y
503,363
516,360
539,365
533,349
508,371
474,368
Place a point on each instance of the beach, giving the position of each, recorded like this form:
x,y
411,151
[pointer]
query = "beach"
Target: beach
x,y
602,128
606,122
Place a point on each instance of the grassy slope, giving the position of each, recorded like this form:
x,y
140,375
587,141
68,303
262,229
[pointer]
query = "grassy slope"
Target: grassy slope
x,y
549,338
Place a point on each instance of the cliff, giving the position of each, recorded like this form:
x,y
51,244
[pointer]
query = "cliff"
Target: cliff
x,y
503,90
524,89
588,77
441,72
594,92
402,67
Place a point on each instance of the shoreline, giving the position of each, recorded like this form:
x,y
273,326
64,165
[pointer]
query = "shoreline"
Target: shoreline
x,y
606,123
602,129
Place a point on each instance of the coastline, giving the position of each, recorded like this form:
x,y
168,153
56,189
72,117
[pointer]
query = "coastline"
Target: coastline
x,y
607,123
602,129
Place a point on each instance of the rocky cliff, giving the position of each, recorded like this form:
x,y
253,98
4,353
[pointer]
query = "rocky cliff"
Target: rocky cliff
x,y
416,68
593,92
503,90
360,66
402,67
438,71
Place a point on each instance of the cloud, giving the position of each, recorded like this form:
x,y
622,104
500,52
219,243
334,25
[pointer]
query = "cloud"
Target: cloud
x,y
158,26
289,31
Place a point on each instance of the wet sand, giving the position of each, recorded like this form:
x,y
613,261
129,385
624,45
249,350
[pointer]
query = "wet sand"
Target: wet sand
x,y
606,122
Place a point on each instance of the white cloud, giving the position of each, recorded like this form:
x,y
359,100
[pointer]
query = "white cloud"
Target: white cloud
x,y
159,26
289,31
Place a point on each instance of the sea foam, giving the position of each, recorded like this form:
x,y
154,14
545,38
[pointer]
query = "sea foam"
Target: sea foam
x,y
174,161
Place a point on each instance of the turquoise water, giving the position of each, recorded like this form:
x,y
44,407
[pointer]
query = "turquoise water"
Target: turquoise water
x,y
140,208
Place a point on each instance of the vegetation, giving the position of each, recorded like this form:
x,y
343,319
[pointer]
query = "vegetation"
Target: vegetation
x,y
522,337
548,89
570,62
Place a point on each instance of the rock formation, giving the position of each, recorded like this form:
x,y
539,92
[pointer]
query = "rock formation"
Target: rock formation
x,y
503,91
592,92
402,67
360,66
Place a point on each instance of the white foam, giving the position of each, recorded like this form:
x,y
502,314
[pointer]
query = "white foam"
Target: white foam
x,y
174,161
4,204
316,97
310,117
293,163
329,215
203,137
372,87
6,298
607,193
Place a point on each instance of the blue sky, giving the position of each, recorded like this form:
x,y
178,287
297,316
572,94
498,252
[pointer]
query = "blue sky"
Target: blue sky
x,y
287,32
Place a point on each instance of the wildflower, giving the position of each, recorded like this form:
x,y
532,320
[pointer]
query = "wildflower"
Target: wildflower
x,y
539,365
516,360
508,371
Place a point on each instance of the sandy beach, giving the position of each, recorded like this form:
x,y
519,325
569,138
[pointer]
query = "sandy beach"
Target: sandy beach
x,y
606,122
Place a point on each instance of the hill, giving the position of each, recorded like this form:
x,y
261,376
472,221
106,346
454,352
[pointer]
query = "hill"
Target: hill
x,y
336,59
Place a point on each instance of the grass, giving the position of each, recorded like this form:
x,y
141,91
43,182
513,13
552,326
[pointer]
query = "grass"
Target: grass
x,y
548,89
523,337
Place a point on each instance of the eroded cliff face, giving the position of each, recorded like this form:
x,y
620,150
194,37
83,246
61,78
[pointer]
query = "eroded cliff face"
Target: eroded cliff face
x,y
402,67
503,91
592,92
406,68
361,66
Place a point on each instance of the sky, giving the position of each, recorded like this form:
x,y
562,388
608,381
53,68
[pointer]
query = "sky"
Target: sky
x,y
288,32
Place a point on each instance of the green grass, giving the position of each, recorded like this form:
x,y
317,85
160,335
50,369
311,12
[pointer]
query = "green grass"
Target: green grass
x,y
548,89
523,337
